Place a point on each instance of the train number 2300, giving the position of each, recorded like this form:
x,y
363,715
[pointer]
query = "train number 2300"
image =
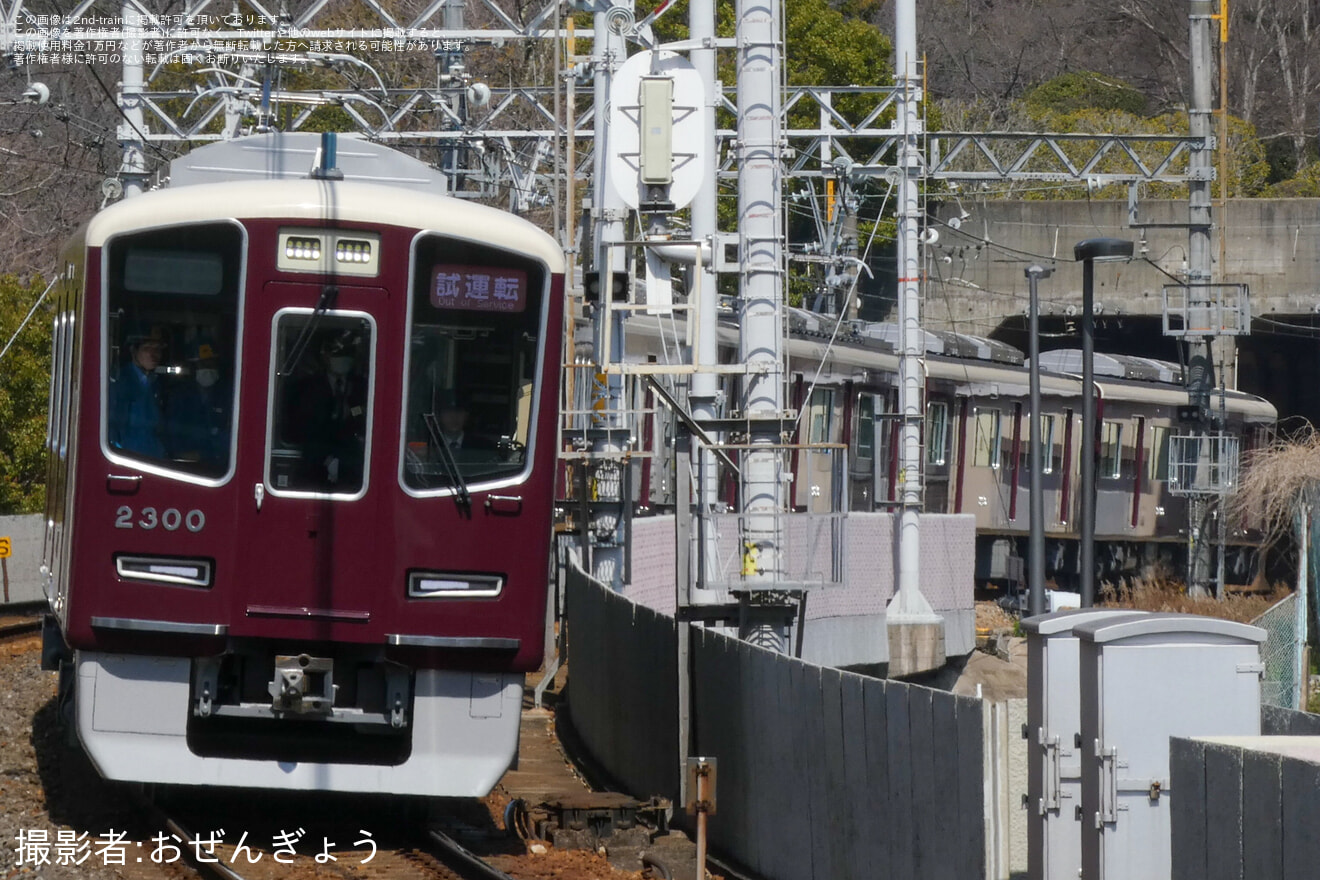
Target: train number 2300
x,y
168,519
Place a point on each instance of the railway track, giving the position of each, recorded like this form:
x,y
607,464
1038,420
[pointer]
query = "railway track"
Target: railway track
x,y
21,619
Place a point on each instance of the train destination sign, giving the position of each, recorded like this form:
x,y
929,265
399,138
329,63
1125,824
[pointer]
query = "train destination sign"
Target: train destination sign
x,y
478,288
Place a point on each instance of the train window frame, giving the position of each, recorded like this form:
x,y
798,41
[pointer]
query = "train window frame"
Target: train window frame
x,y
539,315
1047,464
1047,443
272,376
937,433
820,408
1111,450
107,347
1159,453
988,421
865,444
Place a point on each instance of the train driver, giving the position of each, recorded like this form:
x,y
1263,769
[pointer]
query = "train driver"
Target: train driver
x,y
135,412
452,415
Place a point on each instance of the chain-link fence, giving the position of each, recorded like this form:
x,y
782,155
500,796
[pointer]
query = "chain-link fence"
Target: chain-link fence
x,y
1281,653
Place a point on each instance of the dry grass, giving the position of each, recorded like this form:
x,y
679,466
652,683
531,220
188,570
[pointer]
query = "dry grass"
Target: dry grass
x,y
1275,481
1160,594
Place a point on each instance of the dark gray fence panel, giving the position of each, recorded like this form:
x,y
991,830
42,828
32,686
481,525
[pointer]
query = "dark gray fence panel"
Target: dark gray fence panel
x,y
623,688
1301,831
882,803
944,785
969,827
823,775
1223,815
1187,809
809,747
1262,806
857,795
926,824
902,829
1276,721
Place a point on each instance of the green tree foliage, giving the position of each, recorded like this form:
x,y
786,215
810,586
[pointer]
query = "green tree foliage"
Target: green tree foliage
x,y
24,386
1084,90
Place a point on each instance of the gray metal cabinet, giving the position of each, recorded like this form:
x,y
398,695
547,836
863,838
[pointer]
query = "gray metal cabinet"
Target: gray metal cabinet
x,y
1054,769
1143,680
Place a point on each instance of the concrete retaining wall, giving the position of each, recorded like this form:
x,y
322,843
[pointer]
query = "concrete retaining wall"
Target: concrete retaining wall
x,y
845,624
23,567
822,773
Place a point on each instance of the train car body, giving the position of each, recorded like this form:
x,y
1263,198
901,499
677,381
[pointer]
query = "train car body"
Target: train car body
x,y
271,563
843,383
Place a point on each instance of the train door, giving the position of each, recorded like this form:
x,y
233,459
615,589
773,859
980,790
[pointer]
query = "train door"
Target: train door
x,y
311,391
868,461
816,492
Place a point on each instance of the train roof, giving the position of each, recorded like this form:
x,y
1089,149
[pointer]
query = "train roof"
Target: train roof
x,y
1115,366
359,199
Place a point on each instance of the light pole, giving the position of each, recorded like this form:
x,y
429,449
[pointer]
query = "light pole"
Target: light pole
x,y
1036,548
1088,252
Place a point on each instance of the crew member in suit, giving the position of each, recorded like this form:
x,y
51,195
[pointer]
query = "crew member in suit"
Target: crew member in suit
x,y
331,418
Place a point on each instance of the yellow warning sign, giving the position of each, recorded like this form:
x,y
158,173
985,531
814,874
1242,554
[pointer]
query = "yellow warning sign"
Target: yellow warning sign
x,y
4,547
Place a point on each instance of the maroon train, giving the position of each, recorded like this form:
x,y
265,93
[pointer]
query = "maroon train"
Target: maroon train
x,y
302,447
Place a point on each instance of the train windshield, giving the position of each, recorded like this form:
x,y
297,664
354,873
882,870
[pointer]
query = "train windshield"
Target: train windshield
x,y
472,356
172,298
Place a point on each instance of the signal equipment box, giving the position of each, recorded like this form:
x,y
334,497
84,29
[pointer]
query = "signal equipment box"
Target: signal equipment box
x,y
1143,680
1054,769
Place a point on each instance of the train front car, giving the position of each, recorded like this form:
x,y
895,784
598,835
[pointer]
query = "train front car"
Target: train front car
x,y
309,515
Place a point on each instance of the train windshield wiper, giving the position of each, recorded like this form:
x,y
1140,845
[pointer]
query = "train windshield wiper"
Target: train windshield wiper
x,y
461,493
329,294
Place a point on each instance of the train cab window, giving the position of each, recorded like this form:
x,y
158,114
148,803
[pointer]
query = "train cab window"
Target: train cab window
x,y
937,433
989,438
473,348
171,322
1111,451
321,407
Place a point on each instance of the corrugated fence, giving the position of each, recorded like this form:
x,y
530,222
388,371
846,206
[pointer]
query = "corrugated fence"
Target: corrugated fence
x,y
823,775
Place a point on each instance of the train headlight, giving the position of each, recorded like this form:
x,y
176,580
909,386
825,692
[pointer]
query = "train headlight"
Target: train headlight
x,y
349,250
165,570
441,585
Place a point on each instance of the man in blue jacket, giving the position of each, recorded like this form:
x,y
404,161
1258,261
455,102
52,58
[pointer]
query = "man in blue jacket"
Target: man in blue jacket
x,y
134,397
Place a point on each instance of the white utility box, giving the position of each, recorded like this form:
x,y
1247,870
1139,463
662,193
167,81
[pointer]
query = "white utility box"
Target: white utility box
x,y
1054,769
1143,680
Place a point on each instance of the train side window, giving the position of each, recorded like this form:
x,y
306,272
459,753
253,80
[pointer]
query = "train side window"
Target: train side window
x,y
937,432
821,410
1111,450
171,295
1159,454
1047,461
474,345
865,426
989,438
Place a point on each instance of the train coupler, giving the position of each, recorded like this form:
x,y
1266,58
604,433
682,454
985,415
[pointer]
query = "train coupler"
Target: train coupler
x,y
303,685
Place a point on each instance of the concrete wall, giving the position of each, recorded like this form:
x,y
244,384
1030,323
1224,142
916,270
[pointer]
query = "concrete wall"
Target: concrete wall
x,y
1271,247
845,624
822,773
23,567
1245,808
